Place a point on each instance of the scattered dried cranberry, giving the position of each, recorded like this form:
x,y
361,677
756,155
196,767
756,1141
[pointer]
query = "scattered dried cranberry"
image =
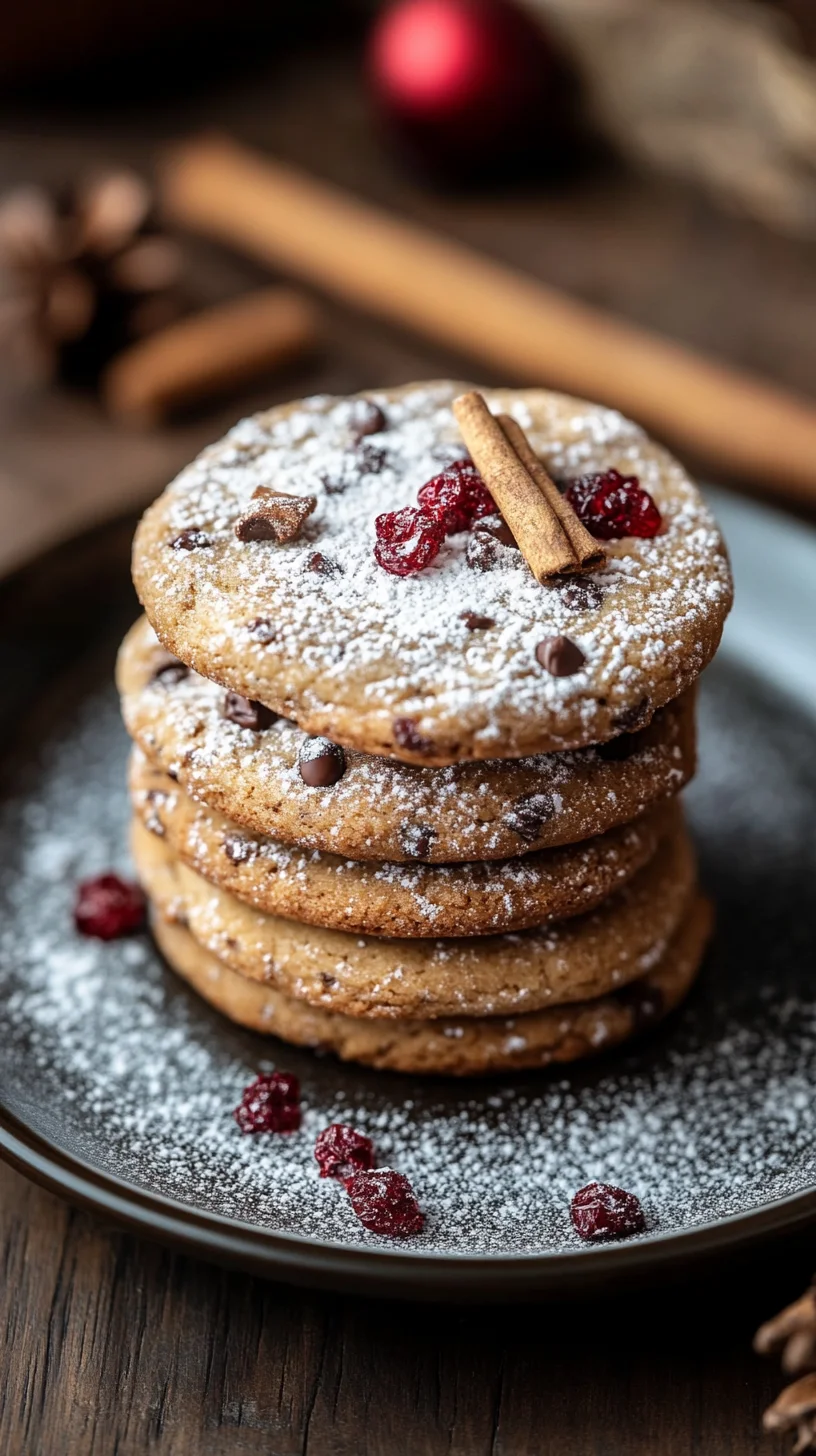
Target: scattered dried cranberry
x,y
108,906
385,1203
613,505
342,1152
407,540
457,497
270,1104
601,1211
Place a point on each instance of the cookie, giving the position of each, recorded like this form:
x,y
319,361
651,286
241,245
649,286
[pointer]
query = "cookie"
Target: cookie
x,y
375,897
460,1047
449,663
572,960
381,809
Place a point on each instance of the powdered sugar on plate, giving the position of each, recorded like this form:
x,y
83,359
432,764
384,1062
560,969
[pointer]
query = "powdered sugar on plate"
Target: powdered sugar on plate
x,y
109,1057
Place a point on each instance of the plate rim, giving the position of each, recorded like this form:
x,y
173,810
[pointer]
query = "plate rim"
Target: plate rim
x,y
403,1272
408,1273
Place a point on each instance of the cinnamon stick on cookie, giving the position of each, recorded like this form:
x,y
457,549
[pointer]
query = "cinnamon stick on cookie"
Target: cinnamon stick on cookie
x,y
551,540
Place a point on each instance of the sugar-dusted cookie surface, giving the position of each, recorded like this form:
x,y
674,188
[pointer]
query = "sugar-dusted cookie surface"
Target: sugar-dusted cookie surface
x,y
571,960
317,630
455,1047
377,897
382,809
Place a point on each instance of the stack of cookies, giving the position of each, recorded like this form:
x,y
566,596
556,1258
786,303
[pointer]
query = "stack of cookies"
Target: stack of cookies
x,y
411,704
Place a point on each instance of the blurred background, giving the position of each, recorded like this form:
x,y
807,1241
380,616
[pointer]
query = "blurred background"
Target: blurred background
x,y
655,159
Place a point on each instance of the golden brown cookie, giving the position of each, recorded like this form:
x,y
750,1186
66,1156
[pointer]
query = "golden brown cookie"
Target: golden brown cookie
x,y
375,897
447,664
381,809
572,960
454,1047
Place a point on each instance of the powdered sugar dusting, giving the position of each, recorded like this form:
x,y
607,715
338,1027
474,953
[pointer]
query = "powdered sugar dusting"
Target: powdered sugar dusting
x,y
358,640
105,1053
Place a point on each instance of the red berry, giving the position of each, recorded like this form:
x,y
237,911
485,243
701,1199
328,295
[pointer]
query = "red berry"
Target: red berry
x,y
341,1152
270,1104
108,906
613,505
384,1202
457,497
407,540
601,1211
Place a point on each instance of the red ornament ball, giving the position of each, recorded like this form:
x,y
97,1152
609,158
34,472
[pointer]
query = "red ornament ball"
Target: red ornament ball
x,y
459,77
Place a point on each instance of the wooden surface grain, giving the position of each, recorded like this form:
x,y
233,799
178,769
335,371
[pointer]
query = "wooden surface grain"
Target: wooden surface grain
x,y
114,1347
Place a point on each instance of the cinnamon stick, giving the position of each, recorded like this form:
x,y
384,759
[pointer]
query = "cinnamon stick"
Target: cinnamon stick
x,y
208,353
589,553
539,534
513,324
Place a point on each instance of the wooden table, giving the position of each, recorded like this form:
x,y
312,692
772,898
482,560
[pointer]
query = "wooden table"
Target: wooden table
x,y
116,1346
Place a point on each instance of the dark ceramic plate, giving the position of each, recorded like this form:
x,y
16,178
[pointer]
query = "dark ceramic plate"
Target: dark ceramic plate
x,y
117,1084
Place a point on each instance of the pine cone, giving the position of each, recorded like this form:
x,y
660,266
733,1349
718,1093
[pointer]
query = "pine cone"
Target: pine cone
x,y
80,281
793,1331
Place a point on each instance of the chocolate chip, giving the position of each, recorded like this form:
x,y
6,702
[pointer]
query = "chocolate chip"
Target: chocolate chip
x,y
416,839
334,484
407,735
482,552
633,718
321,763
475,623
262,630
190,539
366,419
559,656
619,749
248,713
328,981
644,1003
323,565
170,671
275,516
371,458
528,815
498,528
578,593
238,849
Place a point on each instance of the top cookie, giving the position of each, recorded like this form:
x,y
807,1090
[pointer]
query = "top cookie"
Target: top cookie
x,y
317,630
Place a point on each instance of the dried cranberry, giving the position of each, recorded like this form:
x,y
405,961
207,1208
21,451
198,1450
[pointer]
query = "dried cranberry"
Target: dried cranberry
x,y
342,1152
270,1104
457,497
407,540
601,1211
385,1203
108,906
612,505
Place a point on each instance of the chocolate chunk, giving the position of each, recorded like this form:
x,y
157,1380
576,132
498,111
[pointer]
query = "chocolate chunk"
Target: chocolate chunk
x,y
578,593
275,516
407,735
416,839
475,623
644,1003
528,815
321,763
170,671
498,528
238,849
559,656
247,713
190,539
323,565
634,718
262,630
371,458
366,419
